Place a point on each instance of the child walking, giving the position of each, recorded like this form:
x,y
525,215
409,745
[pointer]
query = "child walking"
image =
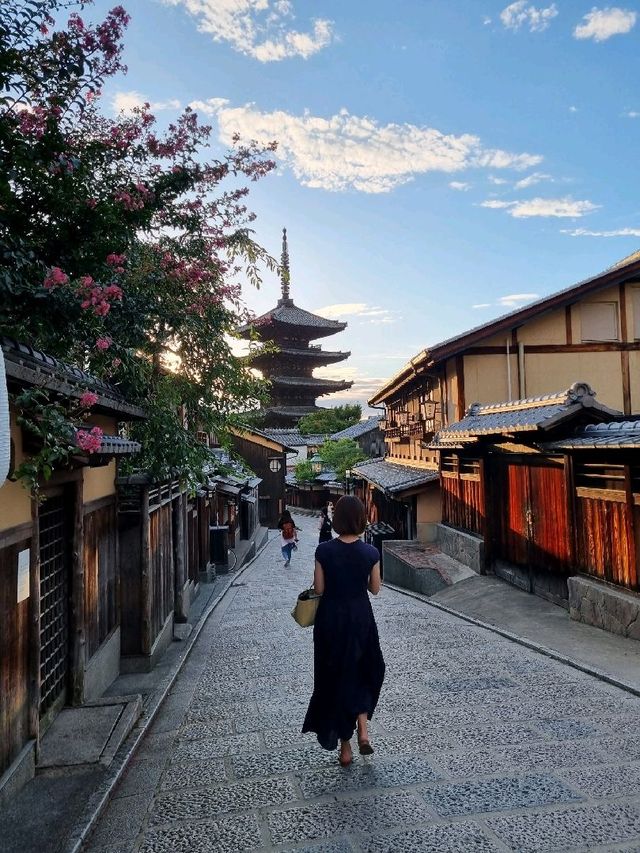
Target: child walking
x,y
288,536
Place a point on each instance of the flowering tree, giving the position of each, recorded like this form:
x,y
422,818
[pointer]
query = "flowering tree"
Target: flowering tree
x,y
120,245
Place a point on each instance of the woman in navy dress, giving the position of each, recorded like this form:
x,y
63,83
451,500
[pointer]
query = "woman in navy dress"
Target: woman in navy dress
x,y
348,666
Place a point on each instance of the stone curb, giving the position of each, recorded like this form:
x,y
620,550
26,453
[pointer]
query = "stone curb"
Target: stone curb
x,y
102,795
522,641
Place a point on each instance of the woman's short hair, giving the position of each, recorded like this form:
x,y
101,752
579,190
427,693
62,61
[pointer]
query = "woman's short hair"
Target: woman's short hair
x,y
349,516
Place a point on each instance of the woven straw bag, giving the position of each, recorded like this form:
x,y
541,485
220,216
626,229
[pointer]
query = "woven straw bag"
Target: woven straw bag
x,y
305,610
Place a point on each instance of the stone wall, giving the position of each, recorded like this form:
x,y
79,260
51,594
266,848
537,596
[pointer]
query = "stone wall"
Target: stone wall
x,y
610,608
463,547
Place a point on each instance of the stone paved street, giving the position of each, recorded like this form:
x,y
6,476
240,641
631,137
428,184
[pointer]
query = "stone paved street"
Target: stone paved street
x,y
481,744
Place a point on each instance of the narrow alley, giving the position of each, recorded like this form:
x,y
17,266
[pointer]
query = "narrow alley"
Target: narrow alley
x,y
480,744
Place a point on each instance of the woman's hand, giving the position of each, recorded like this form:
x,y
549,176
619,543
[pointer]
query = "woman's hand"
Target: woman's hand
x,y
375,581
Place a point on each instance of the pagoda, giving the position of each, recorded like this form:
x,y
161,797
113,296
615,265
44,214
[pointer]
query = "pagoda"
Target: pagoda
x,y
289,369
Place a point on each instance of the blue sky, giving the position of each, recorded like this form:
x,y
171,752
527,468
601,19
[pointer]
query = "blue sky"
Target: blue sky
x,y
435,155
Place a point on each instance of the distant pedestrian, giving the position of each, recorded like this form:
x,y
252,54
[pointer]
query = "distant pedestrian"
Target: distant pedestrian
x,y
348,666
330,510
288,536
324,525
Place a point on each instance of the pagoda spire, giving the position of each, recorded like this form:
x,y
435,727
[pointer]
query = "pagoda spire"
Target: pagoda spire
x,y
285,275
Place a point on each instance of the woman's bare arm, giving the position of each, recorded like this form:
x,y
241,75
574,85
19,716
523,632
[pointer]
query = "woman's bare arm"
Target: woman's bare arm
x,y
318,579
375,581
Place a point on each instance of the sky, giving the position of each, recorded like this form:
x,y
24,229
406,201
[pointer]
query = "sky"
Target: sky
x,y
440,162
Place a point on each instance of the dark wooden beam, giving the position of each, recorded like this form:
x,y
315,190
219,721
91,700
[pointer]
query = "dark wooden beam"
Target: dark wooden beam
x,y
567,322
598,346
145,574
460,385
624,355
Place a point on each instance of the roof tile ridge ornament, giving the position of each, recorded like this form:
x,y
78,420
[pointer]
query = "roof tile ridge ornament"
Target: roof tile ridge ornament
x,y
285,272
581,392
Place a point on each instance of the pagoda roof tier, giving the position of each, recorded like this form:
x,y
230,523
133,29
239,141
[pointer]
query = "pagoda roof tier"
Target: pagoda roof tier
x,y
313,383
310,354
295,412
287,319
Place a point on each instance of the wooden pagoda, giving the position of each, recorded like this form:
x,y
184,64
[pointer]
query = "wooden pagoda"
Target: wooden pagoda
x,y
294,388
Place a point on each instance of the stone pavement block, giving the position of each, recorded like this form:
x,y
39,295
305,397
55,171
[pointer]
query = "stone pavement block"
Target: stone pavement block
x,y
536,756
141,776
223,835
272,720
122,821
437,838
337,846
493,795
373,813
195,774
306,756
569,828
597,782
567,729
200,804
621,748
206,729
190,750
408,770
466,685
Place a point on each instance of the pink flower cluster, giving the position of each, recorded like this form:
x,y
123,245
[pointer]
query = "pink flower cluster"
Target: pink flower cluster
x,y
96,297
114,260
55,278
134,201
90,441
103,344
88,399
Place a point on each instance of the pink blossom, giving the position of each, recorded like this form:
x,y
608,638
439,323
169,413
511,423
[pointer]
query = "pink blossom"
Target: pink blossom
x,y
116,362
103,344
91,441
55,278
88,399
91,202
113,292
115,260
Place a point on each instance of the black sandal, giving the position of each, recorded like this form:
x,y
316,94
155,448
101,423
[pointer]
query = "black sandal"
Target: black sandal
x,y
365,747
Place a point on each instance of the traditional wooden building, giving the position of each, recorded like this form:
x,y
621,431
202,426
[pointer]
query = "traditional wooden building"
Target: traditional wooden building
x,y
545,487
367,434
302,446
59,582
267,458
591,329
289,367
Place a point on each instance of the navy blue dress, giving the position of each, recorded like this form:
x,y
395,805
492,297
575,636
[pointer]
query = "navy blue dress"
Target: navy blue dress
x,y
348,666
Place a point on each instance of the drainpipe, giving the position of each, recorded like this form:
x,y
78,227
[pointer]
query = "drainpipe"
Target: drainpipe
x,y
522,381
508,371
5,429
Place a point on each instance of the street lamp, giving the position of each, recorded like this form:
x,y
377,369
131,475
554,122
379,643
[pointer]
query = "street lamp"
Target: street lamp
x,y
347,480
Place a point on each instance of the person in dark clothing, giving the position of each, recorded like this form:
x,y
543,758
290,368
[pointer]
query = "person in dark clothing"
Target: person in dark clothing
x,y
288,536
348,666
324,525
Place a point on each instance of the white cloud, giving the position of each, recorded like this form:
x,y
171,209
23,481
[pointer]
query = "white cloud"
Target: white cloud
x,y
521,13
373,313
573,109
631,114
486,20
258,28
530,180
556,207
498,182
459,185
620,232
356,152
512,300
126,102
482,305
601,24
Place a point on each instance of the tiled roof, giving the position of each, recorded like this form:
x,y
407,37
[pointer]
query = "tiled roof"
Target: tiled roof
x,y
528,415
311,382
115,445
31,366
361,428
242,433
392,477
310,353
293,437
621,434
289,314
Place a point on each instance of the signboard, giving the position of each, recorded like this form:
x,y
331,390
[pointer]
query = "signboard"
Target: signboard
x,y
23,574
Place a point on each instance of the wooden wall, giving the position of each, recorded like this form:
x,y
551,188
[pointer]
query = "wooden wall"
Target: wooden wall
x,y
258,457
100,572
463,501
14,649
